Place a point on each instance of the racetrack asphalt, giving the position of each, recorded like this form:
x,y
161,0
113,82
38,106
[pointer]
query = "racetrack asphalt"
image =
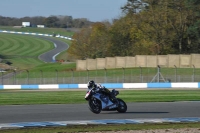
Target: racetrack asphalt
x,y
71,112
59,47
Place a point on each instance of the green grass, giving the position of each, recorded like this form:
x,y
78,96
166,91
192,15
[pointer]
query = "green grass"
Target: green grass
x,y
23,51
51,67
75,97
160,95
103,128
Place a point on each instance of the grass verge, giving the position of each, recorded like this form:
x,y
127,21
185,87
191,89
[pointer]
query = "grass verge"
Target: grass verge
x,y
104,128
75,97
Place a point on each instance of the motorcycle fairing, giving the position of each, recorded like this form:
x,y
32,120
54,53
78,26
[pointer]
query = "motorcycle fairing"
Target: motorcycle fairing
x,y
103,104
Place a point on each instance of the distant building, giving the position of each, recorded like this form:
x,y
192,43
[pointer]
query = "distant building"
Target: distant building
x,y
40,26
26,24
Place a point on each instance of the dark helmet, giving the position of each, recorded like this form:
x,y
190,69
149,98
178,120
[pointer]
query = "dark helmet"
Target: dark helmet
x,y
91,84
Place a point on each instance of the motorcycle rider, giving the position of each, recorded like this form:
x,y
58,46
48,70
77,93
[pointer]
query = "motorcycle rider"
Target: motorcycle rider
x,y
99,88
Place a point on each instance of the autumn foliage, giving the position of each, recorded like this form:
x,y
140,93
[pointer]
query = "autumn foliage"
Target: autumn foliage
x,y
148,27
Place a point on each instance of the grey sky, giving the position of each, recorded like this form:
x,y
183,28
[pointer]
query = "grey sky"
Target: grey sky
x,y
93,10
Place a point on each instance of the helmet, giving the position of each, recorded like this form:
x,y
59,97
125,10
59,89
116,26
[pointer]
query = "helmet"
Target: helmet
x,y
91,84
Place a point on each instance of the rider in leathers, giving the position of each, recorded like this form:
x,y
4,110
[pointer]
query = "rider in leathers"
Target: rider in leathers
x,y
98,87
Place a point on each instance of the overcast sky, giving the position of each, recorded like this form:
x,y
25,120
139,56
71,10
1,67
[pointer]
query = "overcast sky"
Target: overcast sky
x,y
93,10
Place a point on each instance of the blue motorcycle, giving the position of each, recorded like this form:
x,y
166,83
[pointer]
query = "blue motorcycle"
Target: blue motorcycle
x,y
99,101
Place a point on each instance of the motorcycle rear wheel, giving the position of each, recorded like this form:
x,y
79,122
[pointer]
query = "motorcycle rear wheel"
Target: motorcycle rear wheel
x,y
95,105
122,107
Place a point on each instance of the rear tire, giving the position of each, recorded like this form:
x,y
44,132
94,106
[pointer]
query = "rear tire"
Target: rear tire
x,y
122,107
95,105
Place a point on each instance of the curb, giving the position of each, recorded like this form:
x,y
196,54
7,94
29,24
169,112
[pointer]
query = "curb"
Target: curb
x,y
37,34
98,122
194,85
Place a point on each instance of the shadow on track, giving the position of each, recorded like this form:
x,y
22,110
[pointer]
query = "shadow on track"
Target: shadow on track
x,y
135,113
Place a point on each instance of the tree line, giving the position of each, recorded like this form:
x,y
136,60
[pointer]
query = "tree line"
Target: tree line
x,y
51,21
147,27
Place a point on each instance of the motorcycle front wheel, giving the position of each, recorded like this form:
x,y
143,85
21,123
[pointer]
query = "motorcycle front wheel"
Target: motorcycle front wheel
x,y
95,105
122,107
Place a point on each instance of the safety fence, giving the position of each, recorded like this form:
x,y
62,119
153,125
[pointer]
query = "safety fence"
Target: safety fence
x,y
128,75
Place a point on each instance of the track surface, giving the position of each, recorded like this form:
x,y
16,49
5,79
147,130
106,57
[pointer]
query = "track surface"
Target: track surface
x,y
60,46
68,112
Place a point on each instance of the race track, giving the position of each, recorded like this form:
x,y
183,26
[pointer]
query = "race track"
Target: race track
x,y
50,55
71,112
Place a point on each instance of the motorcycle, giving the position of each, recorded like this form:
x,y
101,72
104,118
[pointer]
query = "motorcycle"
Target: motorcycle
x,y
99,101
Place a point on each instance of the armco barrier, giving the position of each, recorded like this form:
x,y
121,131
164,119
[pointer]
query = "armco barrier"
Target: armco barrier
x,y
107,85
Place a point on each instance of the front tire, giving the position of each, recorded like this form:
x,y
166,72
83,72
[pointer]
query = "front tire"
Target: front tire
x,y
122,107
95,105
